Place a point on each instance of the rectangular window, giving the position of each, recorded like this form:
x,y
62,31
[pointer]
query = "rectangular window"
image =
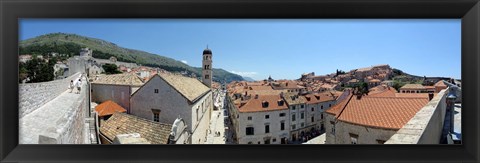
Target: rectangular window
x,y
313,109
353,138
303,124
156,117
207,76
156,90
333,127
321,116
329,105
301,106
293,107
267,128
282,126
321,107
313,119
267,116
302,115
294,127
249,118
293,117
282,114
249,131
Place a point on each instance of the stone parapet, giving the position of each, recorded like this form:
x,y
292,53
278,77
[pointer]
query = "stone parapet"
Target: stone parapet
x,y
34,95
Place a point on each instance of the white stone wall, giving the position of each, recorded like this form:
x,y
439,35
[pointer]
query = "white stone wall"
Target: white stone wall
x,y
172,105
34,95
366,135
258,122
119,94
330,135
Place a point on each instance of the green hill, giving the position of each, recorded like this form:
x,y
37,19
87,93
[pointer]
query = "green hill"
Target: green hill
x,y
70,45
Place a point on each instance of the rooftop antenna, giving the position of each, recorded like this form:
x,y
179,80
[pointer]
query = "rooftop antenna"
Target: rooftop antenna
x,y
207,46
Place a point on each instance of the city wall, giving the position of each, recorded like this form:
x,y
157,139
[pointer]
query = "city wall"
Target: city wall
x,y
34,95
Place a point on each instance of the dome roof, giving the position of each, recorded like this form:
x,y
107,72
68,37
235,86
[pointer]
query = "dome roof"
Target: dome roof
x,y
207,51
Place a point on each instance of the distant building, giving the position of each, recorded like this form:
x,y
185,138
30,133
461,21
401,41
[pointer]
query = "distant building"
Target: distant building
x,y
413,88
166,97
86,52
24,58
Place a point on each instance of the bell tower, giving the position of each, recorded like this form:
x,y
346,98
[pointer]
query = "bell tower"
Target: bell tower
x,y
207,74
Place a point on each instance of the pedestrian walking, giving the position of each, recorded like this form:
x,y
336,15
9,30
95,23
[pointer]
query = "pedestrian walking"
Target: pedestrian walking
x,y
71,86
79,85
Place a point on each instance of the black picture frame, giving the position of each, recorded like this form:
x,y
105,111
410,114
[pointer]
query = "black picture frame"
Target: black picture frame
x,y
11,11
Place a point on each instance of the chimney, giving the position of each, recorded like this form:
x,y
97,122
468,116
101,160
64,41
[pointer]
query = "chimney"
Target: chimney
x,y
281,94
256,96
264,104
430,96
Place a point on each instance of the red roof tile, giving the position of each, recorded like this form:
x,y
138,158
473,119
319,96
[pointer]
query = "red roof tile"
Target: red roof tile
x,y
382,112
108,108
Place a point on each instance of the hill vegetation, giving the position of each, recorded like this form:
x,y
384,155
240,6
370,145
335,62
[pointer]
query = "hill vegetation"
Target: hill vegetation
x,y
68,45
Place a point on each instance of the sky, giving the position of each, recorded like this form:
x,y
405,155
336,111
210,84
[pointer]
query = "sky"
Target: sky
x,y
280,48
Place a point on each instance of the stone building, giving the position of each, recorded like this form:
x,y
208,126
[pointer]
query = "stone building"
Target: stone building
x,y
316,105
296,105
166,97
361,119
117,88
86,52
263,119
207,74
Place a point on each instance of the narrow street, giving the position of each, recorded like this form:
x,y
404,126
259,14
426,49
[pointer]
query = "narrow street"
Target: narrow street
x,y
218,132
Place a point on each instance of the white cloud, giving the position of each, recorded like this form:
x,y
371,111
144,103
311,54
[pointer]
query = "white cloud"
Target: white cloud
x,y
184,61
246,74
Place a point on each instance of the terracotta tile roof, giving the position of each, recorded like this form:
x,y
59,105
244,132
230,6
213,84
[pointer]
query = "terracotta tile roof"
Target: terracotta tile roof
x,y
255,105
382,112
119,79
319,97
191,88
440,84
374,81
121,123
108,108
413,86
338,108
353,81
294,98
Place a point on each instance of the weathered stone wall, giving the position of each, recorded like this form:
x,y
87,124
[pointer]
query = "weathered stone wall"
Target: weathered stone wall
x,y
366,135
61,121
34,95
426,126
119,94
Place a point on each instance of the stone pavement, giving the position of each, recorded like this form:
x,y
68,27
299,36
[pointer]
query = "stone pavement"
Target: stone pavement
x,y
317,140
53,117
217,123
